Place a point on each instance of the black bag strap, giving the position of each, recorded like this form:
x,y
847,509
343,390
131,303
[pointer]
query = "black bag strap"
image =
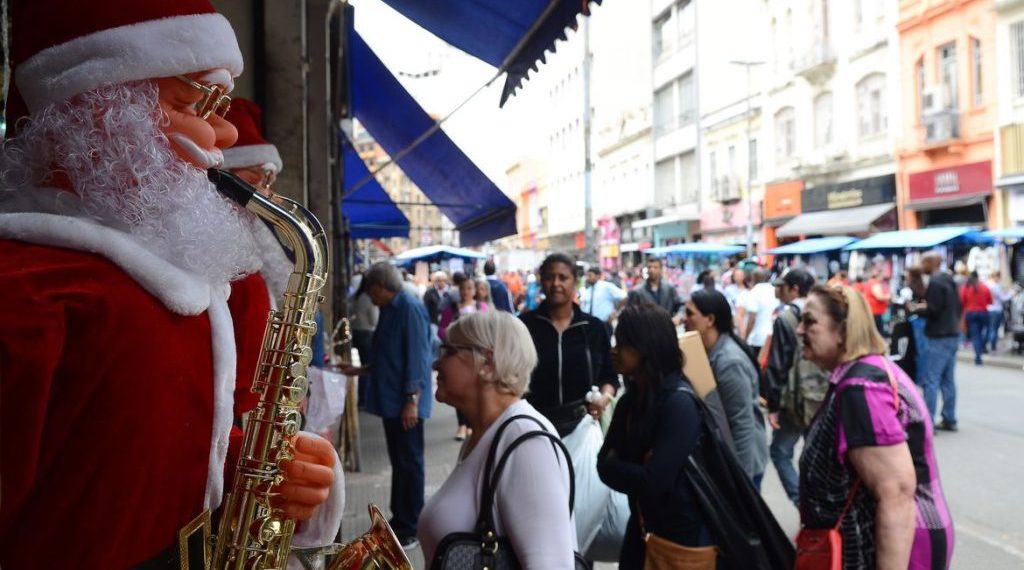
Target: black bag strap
x,y
485,518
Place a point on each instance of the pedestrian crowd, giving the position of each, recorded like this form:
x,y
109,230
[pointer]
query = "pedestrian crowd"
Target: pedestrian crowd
x,y
600,368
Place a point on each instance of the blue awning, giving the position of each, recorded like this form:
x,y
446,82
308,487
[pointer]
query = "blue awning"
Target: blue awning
x,y
437,253
369,209
1008,233
696,248
920,239
512,35
477,207
810,246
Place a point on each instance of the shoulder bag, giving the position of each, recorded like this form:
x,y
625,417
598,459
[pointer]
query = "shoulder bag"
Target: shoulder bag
x,y
483,549
822,549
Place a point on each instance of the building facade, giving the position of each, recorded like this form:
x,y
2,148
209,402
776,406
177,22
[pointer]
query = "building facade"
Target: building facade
x,y
1009,148
831,118
947,149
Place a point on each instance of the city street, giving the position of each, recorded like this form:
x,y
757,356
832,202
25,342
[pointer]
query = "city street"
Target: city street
x,y
981,466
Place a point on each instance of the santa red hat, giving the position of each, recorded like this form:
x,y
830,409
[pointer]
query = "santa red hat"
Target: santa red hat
x,y
65,47
251,149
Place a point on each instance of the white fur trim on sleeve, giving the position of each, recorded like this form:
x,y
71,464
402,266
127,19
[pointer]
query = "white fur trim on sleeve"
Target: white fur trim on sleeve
x,y
181,292
252,155
222,332
147,50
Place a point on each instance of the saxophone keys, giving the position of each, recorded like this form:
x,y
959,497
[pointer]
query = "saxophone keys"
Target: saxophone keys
x,y
297,391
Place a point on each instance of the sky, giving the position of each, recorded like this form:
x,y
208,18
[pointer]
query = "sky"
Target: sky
x,y
494,138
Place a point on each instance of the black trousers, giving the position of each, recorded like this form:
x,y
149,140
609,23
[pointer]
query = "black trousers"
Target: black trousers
x,y
405,450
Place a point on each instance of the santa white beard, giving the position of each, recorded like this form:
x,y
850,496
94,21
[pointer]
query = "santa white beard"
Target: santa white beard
x,y
124,174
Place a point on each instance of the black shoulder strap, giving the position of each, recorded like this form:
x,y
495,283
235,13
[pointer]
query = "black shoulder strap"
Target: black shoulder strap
x,y
485,518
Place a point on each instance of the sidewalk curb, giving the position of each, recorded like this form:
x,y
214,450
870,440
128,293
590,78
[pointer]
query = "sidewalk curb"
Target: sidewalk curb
x,y
1009,362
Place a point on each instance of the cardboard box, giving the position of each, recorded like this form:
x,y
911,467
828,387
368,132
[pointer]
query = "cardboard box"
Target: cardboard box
x,y
696,365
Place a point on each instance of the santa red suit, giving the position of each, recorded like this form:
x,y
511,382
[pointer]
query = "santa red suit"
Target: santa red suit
x,y
117,365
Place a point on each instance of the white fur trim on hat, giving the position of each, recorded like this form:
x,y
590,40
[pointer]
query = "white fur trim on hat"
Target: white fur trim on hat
x,y
147,50
252,155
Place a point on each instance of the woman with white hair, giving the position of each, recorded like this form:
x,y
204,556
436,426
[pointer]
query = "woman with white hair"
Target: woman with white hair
x,y
483,371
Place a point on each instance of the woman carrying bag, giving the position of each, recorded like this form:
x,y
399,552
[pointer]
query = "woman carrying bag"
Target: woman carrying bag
x,y
656,426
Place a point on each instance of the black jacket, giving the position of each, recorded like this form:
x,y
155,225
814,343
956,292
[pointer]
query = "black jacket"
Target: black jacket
x,y
670,433
780,358
570,362
943,312
432,300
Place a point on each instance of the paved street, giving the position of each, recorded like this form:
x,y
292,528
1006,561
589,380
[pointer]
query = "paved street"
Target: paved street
x,y
981,468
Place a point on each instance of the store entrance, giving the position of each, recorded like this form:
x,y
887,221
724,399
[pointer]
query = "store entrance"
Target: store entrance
x,y
970,215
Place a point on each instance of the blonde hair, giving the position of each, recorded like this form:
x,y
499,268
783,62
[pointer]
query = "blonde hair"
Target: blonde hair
x,y
507,338
849,309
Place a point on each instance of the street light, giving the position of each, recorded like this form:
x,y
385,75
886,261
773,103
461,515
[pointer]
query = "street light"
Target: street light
x,y
747,64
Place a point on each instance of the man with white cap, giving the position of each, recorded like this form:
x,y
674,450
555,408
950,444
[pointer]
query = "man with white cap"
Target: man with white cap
x,y
117,353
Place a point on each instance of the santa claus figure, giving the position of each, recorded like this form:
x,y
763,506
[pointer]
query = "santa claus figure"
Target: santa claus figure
x,y
118,355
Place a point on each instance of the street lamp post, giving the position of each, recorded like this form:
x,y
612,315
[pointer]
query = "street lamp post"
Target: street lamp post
x,y
747,64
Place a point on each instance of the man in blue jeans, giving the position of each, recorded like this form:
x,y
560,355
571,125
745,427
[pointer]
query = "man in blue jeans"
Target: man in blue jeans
x,y
400,392
794,387
942,310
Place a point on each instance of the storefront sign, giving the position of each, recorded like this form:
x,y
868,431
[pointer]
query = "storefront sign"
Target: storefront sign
x,y
951,183
863,192
782,200
730,217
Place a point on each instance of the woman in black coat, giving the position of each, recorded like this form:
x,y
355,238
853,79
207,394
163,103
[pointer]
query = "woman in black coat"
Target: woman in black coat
x,y
656,427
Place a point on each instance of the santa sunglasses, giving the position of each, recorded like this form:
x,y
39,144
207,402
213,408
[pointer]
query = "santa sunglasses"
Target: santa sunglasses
x,y
215,100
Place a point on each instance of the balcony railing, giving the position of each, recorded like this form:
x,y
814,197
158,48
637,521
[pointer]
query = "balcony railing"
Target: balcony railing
x,y
725,189
816,61
1011,139
941,126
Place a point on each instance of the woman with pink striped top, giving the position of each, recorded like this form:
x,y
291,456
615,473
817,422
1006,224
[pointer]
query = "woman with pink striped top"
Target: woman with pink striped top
x,y
872,437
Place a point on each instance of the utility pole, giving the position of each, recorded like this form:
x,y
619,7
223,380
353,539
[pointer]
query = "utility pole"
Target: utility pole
x,y
589,243
747,64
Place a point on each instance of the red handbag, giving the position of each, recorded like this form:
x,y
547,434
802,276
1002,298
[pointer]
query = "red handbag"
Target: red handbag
x,y
822,549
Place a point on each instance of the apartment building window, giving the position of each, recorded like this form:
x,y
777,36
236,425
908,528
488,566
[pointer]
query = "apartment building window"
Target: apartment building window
x,y
713,170
871,118
752,159
1017,57
665,182
664,117
687,100
819,15
921,86
688,177
823,120
687,23
976,70
947,74
785,134
664,34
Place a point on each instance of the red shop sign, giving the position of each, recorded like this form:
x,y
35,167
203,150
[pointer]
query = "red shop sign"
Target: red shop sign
x,y
954,182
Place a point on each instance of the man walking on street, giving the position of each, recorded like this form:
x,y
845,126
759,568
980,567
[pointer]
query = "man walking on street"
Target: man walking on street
x,y
760,305
400,392
655,290
941,310
499,292
600,298
795,387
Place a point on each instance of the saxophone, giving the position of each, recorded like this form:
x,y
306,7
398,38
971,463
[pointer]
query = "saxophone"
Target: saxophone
x,y
252,533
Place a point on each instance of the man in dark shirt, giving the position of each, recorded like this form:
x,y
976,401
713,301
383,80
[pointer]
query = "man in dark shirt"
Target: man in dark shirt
x,y
941,310
655,290
499,293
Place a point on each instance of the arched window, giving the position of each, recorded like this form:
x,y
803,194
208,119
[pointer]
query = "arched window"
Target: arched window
x,y
823,134
871,118
785,134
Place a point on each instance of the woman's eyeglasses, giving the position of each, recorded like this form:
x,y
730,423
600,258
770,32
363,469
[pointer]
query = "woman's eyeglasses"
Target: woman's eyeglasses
x,y
449,350
215,100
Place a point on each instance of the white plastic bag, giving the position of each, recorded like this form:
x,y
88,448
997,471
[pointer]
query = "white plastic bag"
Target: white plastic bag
x,y
607,543
584,443
326,402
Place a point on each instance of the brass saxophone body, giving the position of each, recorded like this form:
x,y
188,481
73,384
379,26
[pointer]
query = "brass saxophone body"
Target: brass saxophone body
x,y
252,533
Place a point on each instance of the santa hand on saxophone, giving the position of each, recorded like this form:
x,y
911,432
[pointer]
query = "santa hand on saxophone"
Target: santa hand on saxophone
x,y
119,350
